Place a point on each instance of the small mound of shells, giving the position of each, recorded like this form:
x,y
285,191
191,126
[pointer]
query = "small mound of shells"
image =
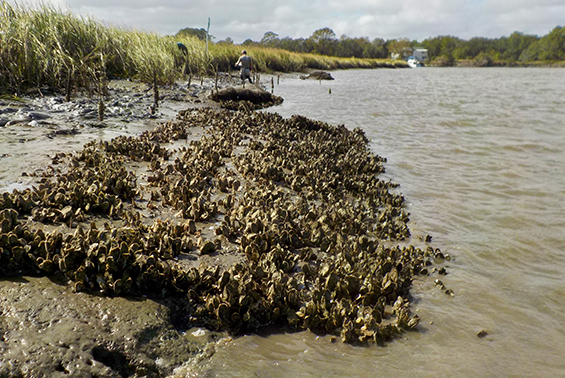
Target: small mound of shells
x,y
245,99
296,207
318,75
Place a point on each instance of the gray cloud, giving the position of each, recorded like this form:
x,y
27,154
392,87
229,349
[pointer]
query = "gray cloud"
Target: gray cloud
x,y
243,19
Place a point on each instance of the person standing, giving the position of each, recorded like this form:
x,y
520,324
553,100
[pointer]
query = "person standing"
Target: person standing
x,y
246,65
182,48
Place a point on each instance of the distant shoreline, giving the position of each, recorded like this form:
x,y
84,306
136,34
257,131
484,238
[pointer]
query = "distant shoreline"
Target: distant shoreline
x,y
501,63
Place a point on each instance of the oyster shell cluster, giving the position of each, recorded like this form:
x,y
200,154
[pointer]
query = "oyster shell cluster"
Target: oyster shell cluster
x,y
294,207
245,99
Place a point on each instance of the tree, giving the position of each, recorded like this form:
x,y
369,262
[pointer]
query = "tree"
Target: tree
x,y
380,48
444,60
400,47
227,41
483,60
433,45
351,47
553,45
322,35
193,32
323,41
449,44
549,47
248,42
269,39
474,47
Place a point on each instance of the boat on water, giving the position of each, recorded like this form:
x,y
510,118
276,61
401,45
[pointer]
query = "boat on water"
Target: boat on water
x,y
413,62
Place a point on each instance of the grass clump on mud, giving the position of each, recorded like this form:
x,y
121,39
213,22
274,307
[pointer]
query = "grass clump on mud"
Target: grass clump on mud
x,y
47,47
261,221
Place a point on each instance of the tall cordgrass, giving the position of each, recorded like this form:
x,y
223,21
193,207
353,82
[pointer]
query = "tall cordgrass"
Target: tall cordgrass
x,y
50,47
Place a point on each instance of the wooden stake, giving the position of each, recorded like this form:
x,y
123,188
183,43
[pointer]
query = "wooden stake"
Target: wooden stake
x,y
101,108
216,85
155,94
69,86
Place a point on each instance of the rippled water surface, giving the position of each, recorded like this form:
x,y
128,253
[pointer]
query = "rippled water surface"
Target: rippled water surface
x,y
480,157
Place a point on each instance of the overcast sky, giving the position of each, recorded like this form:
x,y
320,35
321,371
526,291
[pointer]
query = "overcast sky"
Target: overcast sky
x,y
390,19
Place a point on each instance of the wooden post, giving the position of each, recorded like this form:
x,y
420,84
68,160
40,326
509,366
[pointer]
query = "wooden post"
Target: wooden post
x,y
155,93
69,86
207,37
101,109
216,84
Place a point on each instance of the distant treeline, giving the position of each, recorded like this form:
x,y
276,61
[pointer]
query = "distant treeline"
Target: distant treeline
x,y
442,50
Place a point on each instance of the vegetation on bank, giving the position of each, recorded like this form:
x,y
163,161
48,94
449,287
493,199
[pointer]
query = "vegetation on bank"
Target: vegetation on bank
x,y
517,49
49,47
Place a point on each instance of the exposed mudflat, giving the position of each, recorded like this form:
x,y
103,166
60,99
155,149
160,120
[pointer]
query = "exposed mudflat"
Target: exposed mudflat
x,y
34,128
47,330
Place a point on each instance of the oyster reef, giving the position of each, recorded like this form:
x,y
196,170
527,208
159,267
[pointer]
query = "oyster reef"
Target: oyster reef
x,y
246,218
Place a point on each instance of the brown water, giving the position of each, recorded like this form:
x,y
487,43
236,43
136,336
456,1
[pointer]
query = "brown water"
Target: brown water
x,y
480,157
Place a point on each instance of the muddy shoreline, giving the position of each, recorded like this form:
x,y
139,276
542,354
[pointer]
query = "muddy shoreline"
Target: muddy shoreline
x,y
217,220
47,329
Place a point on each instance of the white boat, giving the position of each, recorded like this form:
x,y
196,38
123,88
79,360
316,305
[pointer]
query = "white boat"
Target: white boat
x,y
413,62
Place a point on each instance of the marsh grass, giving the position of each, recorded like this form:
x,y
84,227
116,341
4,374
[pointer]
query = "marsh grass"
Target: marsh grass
x,y
50,47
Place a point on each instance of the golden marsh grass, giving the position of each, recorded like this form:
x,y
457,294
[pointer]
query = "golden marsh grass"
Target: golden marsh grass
x,y
50,47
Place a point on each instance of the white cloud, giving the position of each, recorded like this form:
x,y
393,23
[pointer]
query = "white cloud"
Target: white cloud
x,y
285,13
342,27
366,20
